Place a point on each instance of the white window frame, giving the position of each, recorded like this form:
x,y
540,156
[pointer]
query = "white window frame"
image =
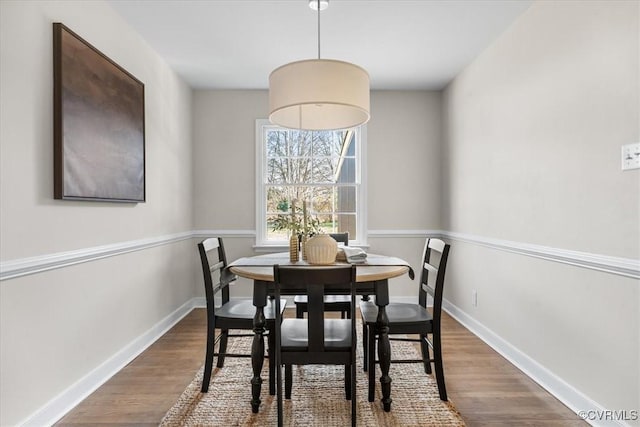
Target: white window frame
x,y
262,125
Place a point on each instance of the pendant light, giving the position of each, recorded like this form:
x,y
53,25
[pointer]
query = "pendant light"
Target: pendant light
x,y
319,94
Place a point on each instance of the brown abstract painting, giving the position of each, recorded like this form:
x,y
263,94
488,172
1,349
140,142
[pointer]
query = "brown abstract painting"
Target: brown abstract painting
x,y
99,139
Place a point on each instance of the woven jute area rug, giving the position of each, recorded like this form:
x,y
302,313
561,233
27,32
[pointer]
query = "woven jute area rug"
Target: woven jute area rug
x,y
317,399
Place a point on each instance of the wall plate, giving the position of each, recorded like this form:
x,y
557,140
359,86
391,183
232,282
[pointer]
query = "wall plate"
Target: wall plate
x,y
631,156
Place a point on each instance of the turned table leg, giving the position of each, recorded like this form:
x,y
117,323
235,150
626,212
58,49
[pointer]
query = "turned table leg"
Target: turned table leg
x,y
257,348
384,348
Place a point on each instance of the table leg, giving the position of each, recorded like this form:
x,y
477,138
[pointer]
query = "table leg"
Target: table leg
x,y
384,348
257,348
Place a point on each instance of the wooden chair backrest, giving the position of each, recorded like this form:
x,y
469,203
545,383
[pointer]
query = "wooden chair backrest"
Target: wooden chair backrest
x,y
315,282
214,263
434,265
341,237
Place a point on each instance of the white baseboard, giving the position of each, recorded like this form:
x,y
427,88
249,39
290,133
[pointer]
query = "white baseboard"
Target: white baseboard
x,y
199,302
57,407
564,392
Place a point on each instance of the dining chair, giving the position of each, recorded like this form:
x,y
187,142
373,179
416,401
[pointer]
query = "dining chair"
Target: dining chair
x,y
233,313
316,339
339,303
413,319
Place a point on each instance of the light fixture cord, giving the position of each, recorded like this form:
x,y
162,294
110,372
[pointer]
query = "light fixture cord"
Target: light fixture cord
x,y
318,4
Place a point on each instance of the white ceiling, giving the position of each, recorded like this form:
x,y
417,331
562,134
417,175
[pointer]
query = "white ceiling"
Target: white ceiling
x,y
403,44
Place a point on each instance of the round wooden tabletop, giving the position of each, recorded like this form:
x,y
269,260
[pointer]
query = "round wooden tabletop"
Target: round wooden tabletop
x,y
263,269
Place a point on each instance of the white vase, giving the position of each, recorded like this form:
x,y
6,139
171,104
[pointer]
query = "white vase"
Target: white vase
x,y
321,249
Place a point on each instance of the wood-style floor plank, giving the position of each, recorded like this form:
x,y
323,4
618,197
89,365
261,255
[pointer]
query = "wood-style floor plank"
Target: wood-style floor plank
x,y
484,387
489,391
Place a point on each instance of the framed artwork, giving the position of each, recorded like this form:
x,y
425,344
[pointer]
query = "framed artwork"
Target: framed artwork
x,y
98,116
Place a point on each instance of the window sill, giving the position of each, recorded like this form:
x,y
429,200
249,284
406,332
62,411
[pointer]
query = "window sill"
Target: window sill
x,y
285,248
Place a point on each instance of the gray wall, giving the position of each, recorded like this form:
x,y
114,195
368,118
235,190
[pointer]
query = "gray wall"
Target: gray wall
x,y
533,129
58,326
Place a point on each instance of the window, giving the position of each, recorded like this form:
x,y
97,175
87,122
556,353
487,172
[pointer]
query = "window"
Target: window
x,y
321,168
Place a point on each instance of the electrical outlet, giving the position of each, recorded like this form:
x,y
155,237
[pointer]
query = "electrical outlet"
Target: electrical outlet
x,y
474,298
631,156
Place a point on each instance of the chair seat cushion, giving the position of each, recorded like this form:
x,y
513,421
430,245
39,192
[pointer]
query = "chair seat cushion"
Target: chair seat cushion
x,y
397,313
328,299
337,334
244,309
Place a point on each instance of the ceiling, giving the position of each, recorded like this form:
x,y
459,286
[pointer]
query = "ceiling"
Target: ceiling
x,y
235,44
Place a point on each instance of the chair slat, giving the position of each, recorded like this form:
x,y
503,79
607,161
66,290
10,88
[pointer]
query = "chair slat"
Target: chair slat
x,y
430,268
210,244
437,244
428,289
217,266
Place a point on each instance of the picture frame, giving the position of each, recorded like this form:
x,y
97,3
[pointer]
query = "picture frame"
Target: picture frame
x,y
99,124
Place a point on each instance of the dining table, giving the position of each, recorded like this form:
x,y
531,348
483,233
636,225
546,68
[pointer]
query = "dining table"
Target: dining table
x,y
372,278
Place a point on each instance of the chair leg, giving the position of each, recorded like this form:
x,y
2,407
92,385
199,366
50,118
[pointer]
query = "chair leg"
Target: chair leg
x,y
342,314
279,392
353,393
288,381
425,353
223,347
347,381
348,313
271,344
437,355
299,311
372,364
365,347
208,363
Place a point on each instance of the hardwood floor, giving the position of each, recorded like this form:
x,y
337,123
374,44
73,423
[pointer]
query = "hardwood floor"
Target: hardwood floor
x,y
489,391
486,389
